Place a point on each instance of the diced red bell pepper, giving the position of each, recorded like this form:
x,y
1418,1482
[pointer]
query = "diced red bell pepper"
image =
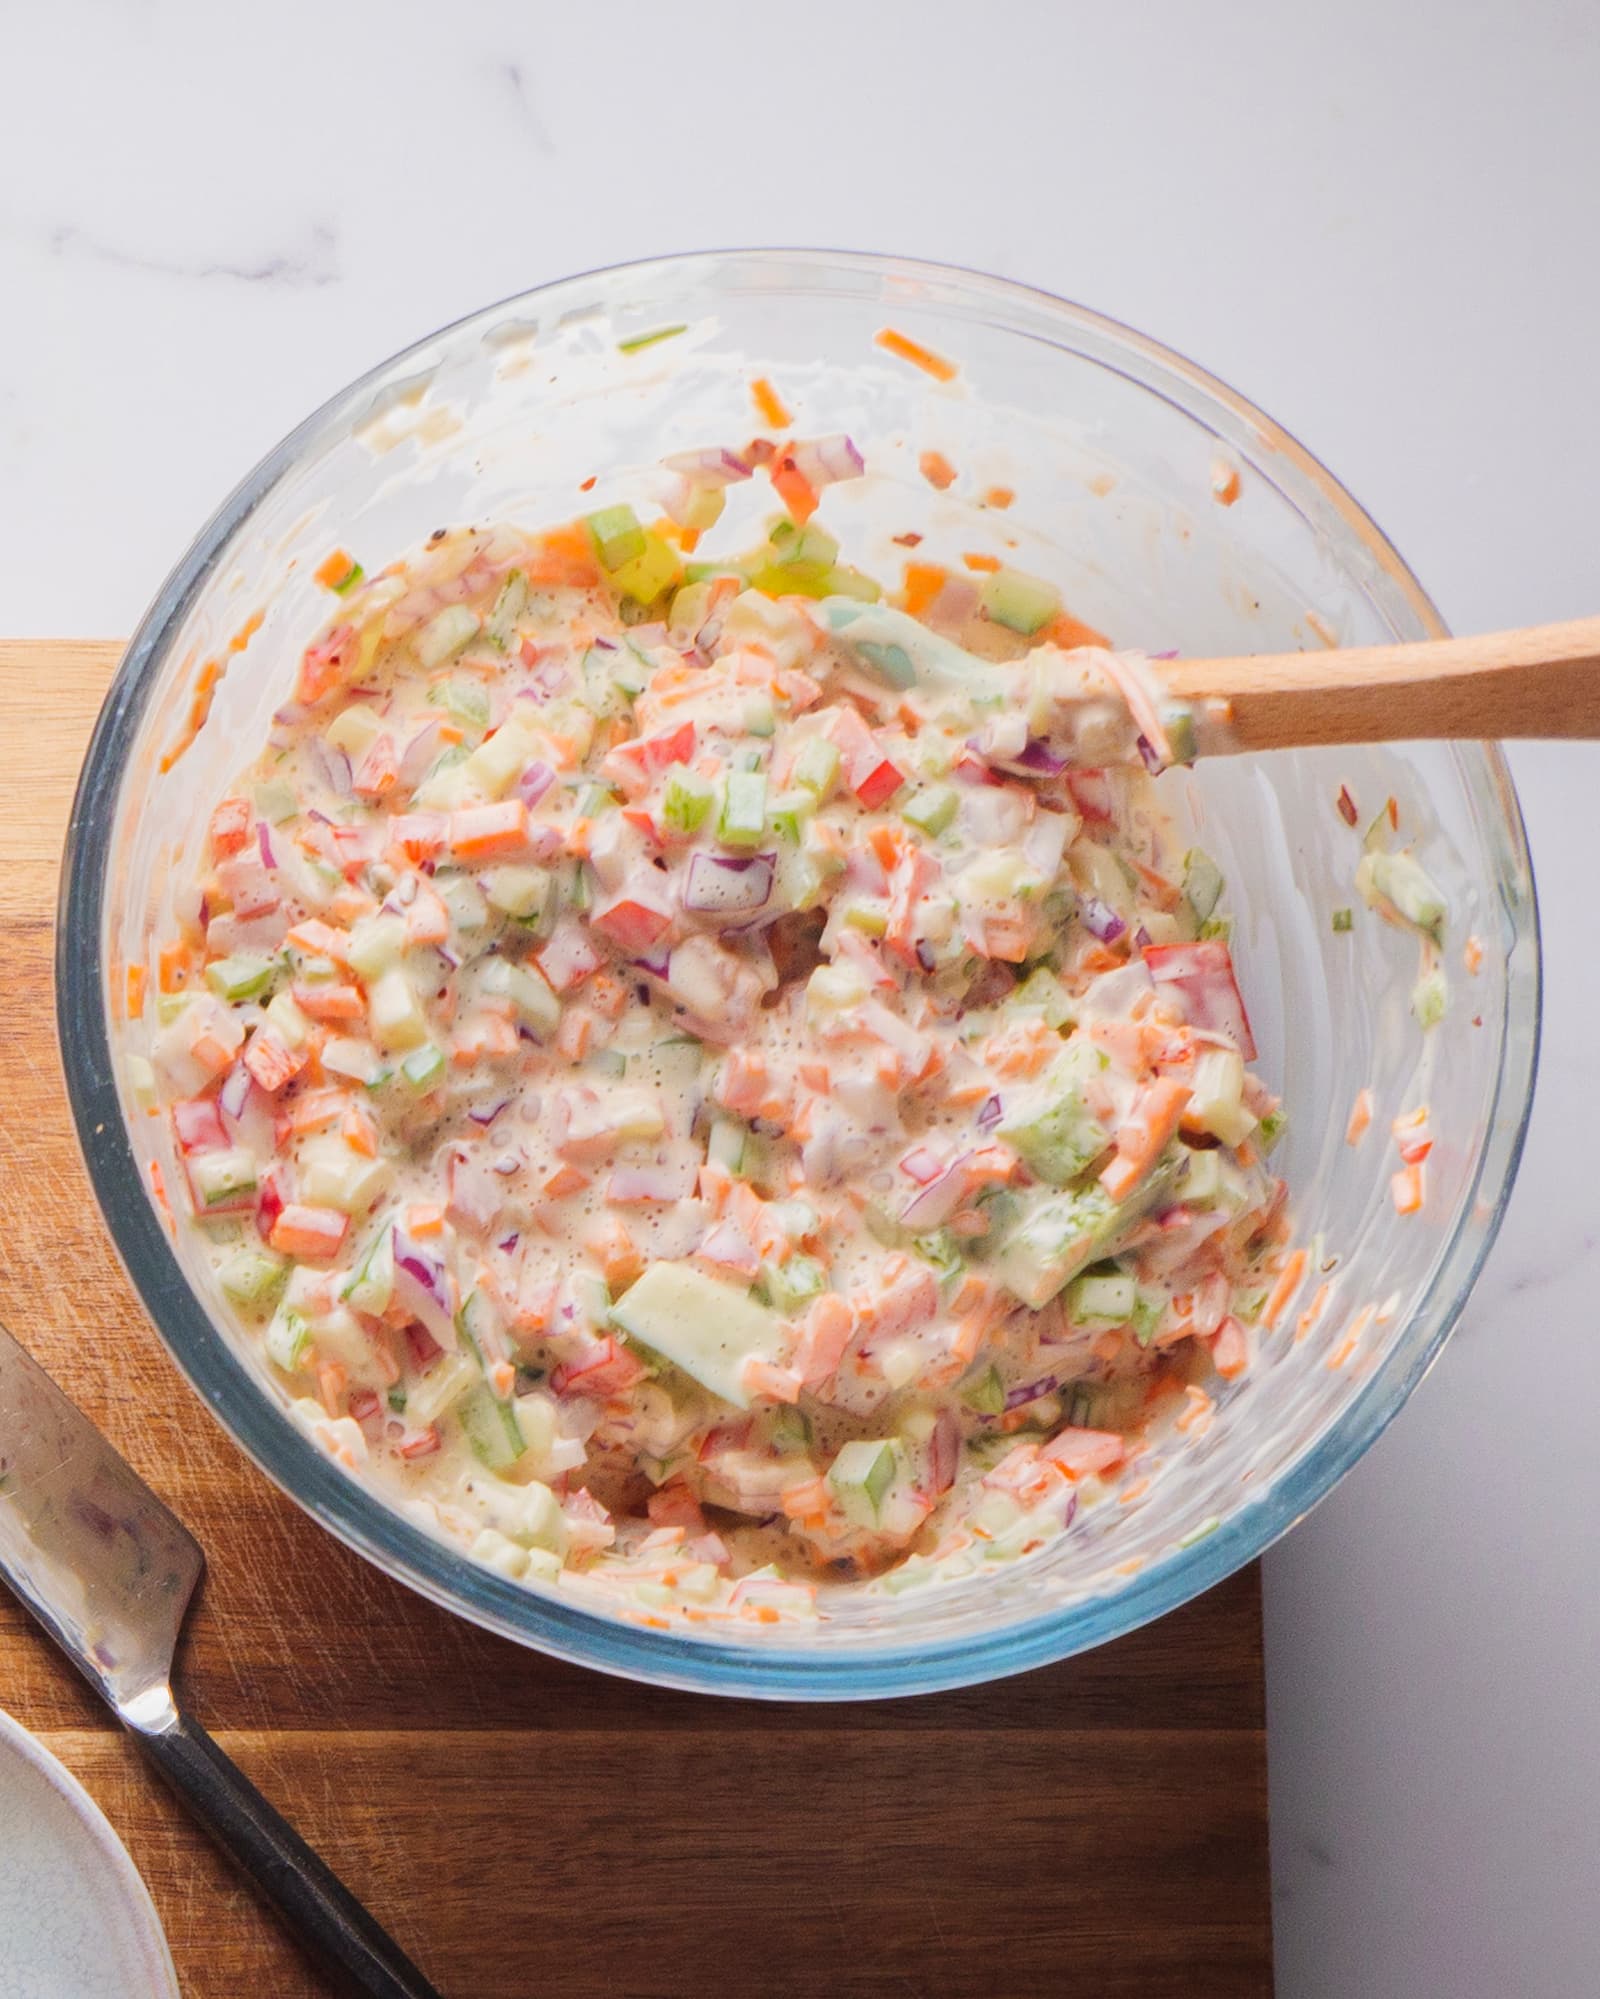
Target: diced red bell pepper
x,y
632,925
879,784
606,1368
197,1125
230,828
323,663
1200,976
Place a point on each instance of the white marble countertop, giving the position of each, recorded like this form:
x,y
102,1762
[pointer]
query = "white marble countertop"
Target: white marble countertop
x,y
1378,220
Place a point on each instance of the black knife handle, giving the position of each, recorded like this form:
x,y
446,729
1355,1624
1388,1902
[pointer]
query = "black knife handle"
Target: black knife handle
x,y
318,1907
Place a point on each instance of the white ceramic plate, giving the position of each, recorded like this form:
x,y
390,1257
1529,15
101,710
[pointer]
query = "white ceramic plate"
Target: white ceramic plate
x,y
76,1921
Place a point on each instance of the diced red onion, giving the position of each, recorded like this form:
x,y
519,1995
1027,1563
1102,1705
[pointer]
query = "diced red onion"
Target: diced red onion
x,y
711,467
1152,761
925,955
485,1114
1101,919
657,964
534,782
823,460
331,766
1038,755
991,1114
417,759
1030,1391
264,842
505,1165
721,884
922,1165
422,1286
932,1206
1170,653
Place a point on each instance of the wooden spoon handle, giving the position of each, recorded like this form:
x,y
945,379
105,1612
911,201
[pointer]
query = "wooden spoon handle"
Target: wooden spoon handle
x,y
1542,681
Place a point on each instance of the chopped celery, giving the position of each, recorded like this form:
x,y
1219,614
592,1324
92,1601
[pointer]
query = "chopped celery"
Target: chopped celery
x,y
536,1004
686,800
867,913
394,1012
1053,1130
843,581
1202,1180
491,1428
932,808
942,1250
743,818
860,1476
791,1285
1270,1129
616,535
1148,1311
1343,919
816,767
1430,997
464,701
287,1339
424,1067
444,635
1043,993
727,1144
244,976
1177,718
519,891
1020,603
1401,881
372,1286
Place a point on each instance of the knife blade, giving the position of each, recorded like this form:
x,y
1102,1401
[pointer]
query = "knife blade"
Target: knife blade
x,y
109,1571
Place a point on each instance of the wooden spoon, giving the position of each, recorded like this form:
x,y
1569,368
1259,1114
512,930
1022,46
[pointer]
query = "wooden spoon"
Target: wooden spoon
x,y
1542,681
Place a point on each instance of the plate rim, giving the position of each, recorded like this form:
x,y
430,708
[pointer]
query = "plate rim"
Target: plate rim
x,y
136,1896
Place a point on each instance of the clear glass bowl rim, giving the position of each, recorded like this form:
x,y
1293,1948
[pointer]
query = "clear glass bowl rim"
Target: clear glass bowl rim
x,y
434,1570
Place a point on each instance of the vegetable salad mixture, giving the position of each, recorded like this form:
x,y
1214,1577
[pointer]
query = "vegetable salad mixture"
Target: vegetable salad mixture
x,y
706,1082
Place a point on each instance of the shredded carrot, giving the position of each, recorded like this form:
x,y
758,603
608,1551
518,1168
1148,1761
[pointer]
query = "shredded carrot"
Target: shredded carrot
x,y
174,965
1130,1493
1230,1350
1472,955
423,1218
906,349
1285,1288
158,1187
1224,482
986,565
1348,1345
999,496
937,470
1360,1118
1309,1317
1197,1415
1069,633
770,404
138,984
565,1180
207,680
792,486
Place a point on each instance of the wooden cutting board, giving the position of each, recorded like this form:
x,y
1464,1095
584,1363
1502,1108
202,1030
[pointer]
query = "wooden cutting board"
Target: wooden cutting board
x,y
525,1827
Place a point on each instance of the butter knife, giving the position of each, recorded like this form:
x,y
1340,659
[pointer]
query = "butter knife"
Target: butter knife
x,y
109,1572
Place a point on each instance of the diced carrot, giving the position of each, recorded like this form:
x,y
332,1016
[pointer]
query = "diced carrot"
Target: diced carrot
x,y
316,1110
359,1132
792,486
332,572
329,1002
230,828
271,1061
574,1034
770,404
138,983
742,1082
1284,1289
1069,633
937,470
1351,1340
320,940
1224,483
1197,1415
809,1500
825,1334
309,1232
174,964
922,583
608,996
378,772
424,1218
562,558
565,1180
614,1250
985,565
906,349
999,496
1405,1188
1360,1118
479,832
816,1076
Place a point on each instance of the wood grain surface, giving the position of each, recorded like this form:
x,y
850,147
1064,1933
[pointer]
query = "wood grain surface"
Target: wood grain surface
x,y
528,1828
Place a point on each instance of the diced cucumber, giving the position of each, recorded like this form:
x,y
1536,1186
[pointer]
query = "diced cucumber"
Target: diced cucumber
x,y
1401,881
650,574
354,730
1270,1129
860,1478
331,1175
705,1326
293,1027
287,1339
789,1428
867,913
275,801
616,535
932,808
508,608
244,976
759,717
424,1067
395,1013
1202,1180
1062,1234
1202,883
1102,1298
446,1381
1020,603
1041,992
1430,998
219,1178
371,1289
518,891
444,635
743,818
464,700
686,800
727,1145
536,1004
1217,1104
790,811
491,1428
377,944
253,1276
816,767
1149,1308
987,1394
791,1285
1054,1131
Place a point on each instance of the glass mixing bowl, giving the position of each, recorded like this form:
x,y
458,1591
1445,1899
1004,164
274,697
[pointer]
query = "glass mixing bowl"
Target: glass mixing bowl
x,y
1120,454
